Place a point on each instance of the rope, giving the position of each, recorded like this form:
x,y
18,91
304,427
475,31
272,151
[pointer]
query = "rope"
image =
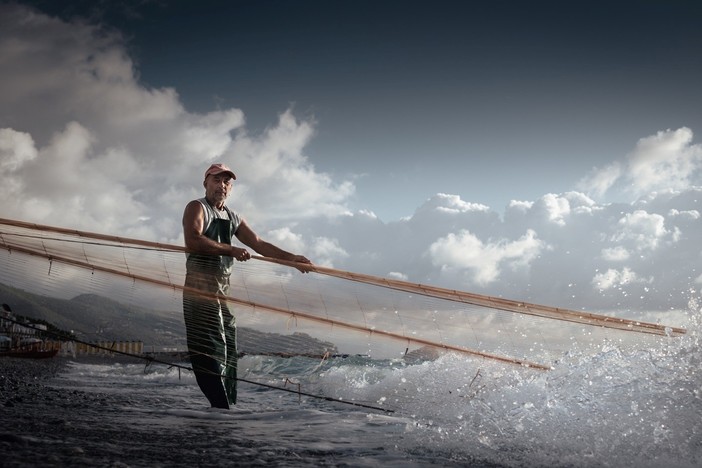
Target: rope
x,y
293,313
492,302
415,288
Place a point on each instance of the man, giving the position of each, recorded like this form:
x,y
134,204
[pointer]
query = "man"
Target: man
x,y
208,227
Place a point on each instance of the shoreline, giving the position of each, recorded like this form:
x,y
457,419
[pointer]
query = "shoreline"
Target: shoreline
x,y
54,426
46,425
22,379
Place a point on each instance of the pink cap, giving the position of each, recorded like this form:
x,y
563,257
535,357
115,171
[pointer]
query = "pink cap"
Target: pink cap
x,y
219,168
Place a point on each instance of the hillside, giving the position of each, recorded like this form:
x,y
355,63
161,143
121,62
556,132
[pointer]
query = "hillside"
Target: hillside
x,y
96,318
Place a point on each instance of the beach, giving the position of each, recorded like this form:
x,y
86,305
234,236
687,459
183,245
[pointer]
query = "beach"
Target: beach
x,y
49,426
640,409
47,421
45,425
35,416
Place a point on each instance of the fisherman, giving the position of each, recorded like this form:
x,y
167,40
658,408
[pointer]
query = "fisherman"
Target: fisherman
x,y
208,228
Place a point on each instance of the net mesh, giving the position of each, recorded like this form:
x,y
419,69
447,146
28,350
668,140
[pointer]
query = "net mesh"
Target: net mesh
x,y
109,288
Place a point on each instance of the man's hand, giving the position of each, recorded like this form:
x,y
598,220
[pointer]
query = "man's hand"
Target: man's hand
x,y
239,254
306,261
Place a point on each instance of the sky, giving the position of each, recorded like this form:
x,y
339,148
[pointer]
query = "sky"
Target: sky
x,y
542,151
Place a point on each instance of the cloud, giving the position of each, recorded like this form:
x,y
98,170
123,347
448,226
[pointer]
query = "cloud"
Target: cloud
x,y
668,160
16,148
465,252
398,276
613,278
600,180
558,207
685,214
286,239
84,144
71,72
615,254
445,202
327,252
641,230
276,179
555,207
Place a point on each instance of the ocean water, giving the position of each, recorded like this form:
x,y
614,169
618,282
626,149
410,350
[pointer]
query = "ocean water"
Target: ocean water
x,y
609,406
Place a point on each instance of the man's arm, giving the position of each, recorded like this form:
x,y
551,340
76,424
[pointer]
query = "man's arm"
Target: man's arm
x,y
195,239
248,237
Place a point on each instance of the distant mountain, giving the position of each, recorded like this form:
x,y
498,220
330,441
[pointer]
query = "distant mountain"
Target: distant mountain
x,y
251,341
97,318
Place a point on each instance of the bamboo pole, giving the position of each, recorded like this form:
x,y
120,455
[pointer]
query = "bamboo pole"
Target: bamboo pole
x,y
291,313
556,313
568,315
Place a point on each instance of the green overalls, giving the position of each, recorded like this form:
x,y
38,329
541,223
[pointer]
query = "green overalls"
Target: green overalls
x,y
210,326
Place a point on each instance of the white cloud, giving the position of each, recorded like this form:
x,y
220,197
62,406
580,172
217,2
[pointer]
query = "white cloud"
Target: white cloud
x,y
398,276
71,72
642,230
326,251
665,161
615,254
613,278
557,208
600,179
84,144
210,134
520,205
464,251
276,181
16,148
685,214
453,204
286,239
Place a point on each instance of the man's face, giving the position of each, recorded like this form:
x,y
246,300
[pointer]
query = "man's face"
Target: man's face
x,y
218,187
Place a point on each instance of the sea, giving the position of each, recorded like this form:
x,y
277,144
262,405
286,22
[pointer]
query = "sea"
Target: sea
x,y
608,407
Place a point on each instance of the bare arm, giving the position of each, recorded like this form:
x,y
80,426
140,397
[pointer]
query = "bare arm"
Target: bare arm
x,y
248,237
195,239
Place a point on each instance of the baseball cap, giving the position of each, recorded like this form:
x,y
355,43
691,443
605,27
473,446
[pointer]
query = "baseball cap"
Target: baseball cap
x,y
219,168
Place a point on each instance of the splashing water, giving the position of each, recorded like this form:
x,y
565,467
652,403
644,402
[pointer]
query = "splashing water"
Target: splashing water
x,y
619,399
617,406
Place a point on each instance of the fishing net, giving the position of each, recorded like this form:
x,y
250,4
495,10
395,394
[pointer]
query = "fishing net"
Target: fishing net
x,y
105,288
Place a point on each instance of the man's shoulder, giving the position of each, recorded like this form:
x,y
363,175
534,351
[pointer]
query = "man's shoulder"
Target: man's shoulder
x,y
195,204
195,208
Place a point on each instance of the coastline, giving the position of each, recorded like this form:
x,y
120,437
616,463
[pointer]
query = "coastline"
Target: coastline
x,y
49,425
23,380
45,425
27,408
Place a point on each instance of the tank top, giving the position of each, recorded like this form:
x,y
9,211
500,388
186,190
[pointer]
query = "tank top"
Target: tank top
x,y
211,214
219,226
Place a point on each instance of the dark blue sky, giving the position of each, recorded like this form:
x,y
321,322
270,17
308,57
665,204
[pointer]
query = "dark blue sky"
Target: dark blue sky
x,y
491,101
